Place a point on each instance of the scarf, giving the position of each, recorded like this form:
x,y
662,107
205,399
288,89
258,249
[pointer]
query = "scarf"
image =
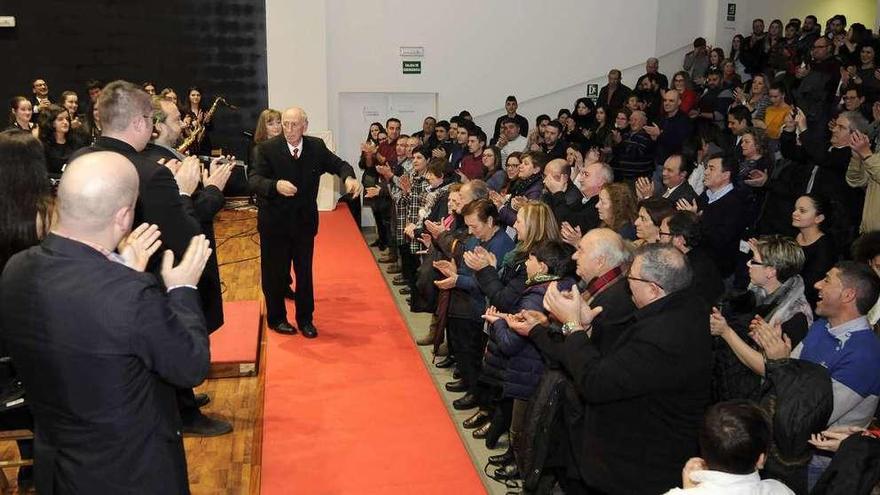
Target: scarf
x,y
787,301
522,185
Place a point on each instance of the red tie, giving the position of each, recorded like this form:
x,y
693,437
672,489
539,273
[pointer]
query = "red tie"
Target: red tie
x,y
295,153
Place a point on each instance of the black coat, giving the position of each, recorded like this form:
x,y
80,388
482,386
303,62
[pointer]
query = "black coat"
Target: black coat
x,y
159,201
707,282
207,202
723,224
578,214
297,214
683,191
101,350
644,399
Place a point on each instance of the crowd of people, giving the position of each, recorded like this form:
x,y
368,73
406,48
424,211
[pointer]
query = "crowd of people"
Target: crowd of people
x,y
673,286
63,126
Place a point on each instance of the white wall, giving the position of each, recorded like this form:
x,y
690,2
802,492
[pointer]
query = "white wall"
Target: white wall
x,y
864,11
476,52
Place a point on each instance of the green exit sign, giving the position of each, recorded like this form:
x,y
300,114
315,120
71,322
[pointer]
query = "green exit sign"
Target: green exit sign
x,y
412,66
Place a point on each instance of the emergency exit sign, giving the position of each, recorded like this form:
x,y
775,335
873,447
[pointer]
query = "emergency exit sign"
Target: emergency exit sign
x,y
412,66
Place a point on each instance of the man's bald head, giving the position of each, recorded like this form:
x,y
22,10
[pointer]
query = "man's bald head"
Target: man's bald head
x,y
295,123
93,190
555,167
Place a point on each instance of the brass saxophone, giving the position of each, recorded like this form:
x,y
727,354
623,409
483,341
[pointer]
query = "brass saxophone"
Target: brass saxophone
x,y
195,138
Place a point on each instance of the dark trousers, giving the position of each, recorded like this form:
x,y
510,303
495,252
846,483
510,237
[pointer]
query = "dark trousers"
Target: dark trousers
x,y
383,226
409,265
186,404
469,341
277,253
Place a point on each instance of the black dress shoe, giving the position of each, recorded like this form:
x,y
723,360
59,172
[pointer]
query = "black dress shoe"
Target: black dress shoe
x,y
204,426
398,282
482,431
284,328
456,386
502,459
202,400
456,374
404,291
469,401
508,472
445,363
479,418
394,269
289,294
308,330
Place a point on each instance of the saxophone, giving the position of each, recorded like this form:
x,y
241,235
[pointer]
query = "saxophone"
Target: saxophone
x,y
195,138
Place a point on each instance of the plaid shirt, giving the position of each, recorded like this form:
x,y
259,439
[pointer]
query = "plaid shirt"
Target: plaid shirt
x,y
407,205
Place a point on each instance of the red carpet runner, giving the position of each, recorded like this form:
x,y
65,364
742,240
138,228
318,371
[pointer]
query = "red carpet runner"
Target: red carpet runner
x,y
355,411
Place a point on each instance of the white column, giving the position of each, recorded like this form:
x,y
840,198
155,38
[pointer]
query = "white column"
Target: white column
x,y
296,46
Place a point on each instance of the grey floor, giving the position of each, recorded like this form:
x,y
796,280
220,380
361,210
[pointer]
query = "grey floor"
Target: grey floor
x,y
418,326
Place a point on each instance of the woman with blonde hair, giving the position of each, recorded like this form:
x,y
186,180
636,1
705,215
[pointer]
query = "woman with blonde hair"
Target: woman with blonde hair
x,y
268,126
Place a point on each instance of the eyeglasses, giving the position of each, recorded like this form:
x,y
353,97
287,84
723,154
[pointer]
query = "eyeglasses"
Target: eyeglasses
x,y
630,277
754,262
816,47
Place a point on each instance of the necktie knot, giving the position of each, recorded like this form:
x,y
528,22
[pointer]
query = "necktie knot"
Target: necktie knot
x,y
295,153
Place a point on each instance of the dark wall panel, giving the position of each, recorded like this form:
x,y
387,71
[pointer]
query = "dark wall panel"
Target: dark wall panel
x,y
218,45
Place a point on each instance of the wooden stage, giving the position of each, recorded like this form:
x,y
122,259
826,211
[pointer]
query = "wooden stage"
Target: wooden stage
x,y
229,464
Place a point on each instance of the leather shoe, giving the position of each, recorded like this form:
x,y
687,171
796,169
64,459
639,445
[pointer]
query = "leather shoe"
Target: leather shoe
x,y
204,426
388,259
482,431
469,401
508,472
456,374
479,418
404,291
289,294
445,363
456,386
502,459
308,330
391,270
202,400
284,328
398,281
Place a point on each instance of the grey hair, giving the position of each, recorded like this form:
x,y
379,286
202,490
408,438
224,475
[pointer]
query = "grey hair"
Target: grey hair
x,y
857,122
666,266
607,172
479,189
610,245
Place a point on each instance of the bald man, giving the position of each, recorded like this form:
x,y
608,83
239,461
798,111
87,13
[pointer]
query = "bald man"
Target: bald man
x,y
285,179
100,345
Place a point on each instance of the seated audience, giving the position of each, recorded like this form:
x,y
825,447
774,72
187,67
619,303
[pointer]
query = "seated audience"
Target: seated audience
x,y
649,216
617,209
682,230
813,218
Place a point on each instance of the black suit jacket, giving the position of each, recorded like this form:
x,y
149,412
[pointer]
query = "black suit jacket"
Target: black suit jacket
x,y
645,398
206,203
577,214
683,191
297,214
159,201
723,224
100,349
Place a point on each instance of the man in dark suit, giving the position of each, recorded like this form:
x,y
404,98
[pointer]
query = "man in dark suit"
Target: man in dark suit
x,y
614,94
285,178
164,199
674,176
102,345
682,230
645,398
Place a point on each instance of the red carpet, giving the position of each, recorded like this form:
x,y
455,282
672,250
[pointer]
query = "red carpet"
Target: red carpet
x,y
355,410
236,340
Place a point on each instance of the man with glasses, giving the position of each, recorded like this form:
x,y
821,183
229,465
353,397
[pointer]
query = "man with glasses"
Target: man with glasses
x,y
164,199
815,87
645,399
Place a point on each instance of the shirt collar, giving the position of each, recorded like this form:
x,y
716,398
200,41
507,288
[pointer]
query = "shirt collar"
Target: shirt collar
x,y
843,331
298,146
670,190
719,479
110,255
715,196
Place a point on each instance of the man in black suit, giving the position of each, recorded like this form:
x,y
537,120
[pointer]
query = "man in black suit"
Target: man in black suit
x,y
578,218
645,398
674,175
285,178
102,346
164,199
723,213
682,230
